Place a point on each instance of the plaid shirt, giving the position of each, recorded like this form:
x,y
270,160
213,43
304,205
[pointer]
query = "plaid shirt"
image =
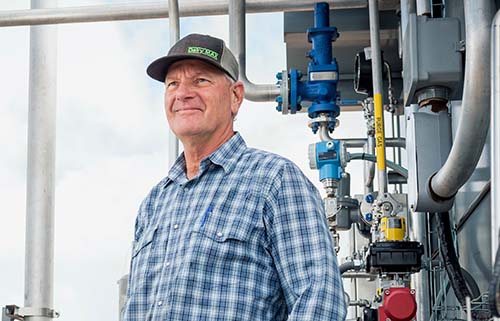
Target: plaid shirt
x,y
246,239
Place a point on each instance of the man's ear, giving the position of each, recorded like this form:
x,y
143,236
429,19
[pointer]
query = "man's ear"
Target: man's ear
x,y
237,95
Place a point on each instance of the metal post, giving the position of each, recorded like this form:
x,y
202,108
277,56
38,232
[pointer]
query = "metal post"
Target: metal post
x,y
173,8
495,135
421,279
376,58
39,262
424,8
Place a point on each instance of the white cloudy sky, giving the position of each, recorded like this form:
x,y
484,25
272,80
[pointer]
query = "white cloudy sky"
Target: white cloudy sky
x,y
112,144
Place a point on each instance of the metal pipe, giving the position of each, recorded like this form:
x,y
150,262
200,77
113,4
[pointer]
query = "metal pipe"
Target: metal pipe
x,y
174,22
324,135
377,94
369,167
399,142
237,43
495,135
424,8
421,279
359,275
155,10
407,7
39,260
475,114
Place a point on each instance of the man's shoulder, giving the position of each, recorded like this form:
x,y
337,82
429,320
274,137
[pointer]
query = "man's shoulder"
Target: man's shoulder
x,y
264,158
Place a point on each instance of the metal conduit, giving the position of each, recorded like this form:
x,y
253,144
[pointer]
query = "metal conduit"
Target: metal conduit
x,y
174,23
377,94
475,114
39,255
495,134
155,10
237,43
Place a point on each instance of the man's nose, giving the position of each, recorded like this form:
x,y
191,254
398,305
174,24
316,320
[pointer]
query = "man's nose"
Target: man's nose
x,y
184,91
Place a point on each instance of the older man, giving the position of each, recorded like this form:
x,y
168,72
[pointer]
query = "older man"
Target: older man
x,y
232,233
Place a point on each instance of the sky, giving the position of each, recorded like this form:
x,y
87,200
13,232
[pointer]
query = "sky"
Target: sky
x,y
112,144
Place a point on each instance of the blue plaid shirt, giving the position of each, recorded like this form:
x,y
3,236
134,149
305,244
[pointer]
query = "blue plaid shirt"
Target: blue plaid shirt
x,y
246,239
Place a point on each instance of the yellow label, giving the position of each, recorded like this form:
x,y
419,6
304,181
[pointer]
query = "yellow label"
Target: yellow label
x,y
379,132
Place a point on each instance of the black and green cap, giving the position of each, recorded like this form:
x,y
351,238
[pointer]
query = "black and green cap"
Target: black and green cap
x,y
196,46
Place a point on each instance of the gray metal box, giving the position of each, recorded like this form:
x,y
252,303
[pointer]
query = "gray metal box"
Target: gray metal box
x,y
431,56
428,144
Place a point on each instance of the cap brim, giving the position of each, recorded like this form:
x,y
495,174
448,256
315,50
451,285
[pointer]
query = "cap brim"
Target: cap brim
x,y
158,68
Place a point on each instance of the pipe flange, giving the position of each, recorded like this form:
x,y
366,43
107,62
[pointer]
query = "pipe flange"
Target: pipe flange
x,y
16,313
435,96
284,90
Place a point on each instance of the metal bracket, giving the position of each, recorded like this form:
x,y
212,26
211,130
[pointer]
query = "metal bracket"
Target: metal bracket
x,y
13,312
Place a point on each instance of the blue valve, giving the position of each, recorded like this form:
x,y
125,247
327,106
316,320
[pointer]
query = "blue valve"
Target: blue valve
x,y
368,217
320,87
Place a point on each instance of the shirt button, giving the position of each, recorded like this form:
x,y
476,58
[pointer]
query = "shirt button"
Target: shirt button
x,y
160,303
176,226
167,264
219,234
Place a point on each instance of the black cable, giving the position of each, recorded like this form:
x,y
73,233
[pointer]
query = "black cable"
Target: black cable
x,y
450,258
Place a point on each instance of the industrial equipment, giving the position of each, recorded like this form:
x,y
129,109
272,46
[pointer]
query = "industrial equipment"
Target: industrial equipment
x,y
422,239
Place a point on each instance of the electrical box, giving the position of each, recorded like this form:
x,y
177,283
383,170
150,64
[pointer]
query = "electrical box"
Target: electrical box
x,y
432,56
428,144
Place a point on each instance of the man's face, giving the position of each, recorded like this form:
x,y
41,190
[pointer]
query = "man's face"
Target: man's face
x,y
200,101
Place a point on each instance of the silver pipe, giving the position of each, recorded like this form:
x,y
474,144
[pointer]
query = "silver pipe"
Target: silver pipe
x,y
495,135
359,275
369,167
174,22
324,135
475,112
155,10
399,142
39,260
407,7
377,92
421,279
237,43
424,8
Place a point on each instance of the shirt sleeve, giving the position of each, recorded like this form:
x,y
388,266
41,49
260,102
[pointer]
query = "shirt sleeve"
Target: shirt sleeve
x,y
302,249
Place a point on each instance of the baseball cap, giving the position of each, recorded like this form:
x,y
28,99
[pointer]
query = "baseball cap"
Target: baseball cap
x,y
195,46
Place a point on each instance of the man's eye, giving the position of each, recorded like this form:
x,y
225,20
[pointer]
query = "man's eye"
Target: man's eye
x,y
171,84
201,80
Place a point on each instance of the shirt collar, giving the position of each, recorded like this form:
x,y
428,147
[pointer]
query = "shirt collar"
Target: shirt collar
x,y
226,156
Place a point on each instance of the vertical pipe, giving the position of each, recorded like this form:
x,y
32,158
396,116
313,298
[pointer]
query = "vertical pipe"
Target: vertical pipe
x,y
237,44
377,94
39,261
424,8
421,279
495,135
407,7
173,18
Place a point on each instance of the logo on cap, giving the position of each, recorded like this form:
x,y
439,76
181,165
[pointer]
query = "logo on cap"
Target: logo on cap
x,y
203,51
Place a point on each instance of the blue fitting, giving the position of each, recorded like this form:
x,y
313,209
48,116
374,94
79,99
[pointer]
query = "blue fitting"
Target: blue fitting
x,y
369,198
328,160
320,87
369,217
